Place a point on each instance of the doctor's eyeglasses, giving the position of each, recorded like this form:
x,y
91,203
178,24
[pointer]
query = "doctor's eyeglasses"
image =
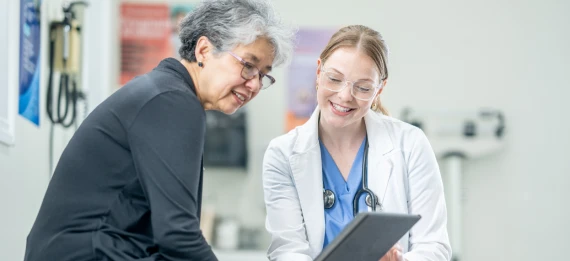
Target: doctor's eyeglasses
x,y
360,90
249,71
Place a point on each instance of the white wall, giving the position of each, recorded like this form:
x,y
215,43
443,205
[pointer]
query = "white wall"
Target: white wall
x,y
511,56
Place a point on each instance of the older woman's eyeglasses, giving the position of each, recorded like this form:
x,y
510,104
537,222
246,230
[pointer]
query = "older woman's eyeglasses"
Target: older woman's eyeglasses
x,y
249,71
361,90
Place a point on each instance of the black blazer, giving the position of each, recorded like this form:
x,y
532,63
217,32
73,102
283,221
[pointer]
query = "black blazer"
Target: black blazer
x,y
128,185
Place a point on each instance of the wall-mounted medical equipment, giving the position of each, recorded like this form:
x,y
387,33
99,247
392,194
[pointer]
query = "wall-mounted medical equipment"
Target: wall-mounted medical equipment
x,y
456,136
64,60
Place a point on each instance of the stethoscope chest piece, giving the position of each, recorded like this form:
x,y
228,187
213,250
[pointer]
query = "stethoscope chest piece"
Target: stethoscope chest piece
x,y
329,198
371,199
368,201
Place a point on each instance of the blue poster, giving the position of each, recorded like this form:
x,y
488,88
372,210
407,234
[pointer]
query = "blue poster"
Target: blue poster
x,y
29,78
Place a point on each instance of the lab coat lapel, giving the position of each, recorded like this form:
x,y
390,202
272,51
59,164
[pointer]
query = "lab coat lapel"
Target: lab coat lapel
x,y
380,166
307,172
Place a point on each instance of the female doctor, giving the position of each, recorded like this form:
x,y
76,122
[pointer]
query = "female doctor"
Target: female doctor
x,y
311,175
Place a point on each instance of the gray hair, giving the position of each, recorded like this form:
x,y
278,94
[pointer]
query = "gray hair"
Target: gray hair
x,y
229,23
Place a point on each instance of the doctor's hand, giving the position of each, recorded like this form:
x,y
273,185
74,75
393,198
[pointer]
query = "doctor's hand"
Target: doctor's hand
x,y
394,254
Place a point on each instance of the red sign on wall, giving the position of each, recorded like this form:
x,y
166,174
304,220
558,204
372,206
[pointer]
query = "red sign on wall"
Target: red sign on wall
x,y
145,38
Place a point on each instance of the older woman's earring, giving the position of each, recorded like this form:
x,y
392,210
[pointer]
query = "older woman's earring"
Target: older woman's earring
x,y
200,64
374,106
317,87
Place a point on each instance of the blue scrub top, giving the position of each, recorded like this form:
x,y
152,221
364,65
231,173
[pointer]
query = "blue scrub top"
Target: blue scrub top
x,y
337,217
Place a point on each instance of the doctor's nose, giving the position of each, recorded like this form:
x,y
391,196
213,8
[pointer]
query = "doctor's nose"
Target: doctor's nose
x,y
346,93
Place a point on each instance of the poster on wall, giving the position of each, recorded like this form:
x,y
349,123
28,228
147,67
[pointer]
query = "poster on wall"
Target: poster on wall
x,y
301,76
149,33
29,61
145,38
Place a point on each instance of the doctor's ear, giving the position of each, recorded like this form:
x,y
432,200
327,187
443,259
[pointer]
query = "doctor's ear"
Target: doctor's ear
x,y
384,82
203,48
319,64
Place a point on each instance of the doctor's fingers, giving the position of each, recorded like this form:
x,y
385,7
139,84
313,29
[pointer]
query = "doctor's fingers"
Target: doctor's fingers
x,y
394,254
397,246
399,256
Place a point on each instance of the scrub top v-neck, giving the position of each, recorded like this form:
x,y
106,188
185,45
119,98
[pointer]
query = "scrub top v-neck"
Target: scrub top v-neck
x,y
341,213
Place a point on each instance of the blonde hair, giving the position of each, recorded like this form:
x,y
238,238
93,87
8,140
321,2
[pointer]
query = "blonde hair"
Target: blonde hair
x,y
368,41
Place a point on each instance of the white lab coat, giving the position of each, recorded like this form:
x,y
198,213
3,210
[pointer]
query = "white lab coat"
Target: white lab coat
x,y
401,163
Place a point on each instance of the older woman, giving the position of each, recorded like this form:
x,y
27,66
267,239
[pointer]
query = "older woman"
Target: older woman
x,y
128,185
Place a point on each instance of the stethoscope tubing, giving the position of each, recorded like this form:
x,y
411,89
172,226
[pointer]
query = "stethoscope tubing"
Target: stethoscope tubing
x,y
371,200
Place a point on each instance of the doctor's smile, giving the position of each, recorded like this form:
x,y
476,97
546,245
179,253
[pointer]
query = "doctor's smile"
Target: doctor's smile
x,y
340,110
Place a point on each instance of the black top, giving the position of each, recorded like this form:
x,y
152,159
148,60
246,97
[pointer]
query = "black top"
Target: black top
x,y
128,186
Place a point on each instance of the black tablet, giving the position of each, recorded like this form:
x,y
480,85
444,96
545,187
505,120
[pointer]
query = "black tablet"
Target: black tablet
x,y
368,237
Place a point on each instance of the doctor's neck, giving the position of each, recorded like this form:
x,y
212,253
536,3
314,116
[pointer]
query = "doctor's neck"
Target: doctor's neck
x,y
342,138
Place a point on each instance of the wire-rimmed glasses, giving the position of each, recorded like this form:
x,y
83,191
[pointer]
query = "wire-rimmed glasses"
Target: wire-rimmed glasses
x,y
249,71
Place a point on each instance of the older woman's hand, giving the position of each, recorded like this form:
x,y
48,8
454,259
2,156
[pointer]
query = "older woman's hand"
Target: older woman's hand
x,y
394,254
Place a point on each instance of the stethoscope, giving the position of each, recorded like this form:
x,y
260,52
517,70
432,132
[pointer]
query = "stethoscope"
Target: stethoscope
x,y
371,198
